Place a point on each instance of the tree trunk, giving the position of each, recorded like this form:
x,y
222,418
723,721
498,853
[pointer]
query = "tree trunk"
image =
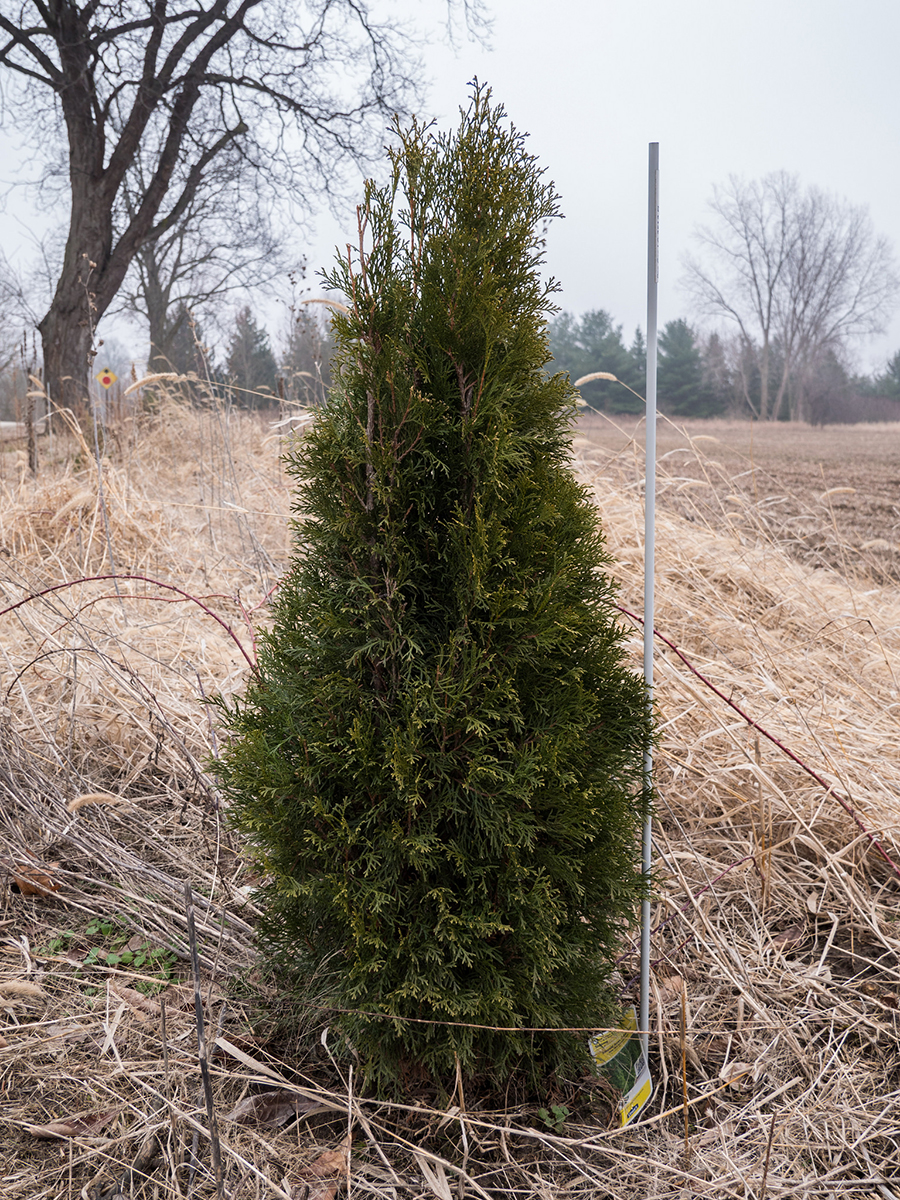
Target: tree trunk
x,y
157,301
782,391
764,381
66,336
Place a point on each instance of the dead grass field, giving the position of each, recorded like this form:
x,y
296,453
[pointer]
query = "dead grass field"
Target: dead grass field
x,y
777,918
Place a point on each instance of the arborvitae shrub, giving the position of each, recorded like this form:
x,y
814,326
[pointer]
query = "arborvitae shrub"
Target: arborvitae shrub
x,y
439,763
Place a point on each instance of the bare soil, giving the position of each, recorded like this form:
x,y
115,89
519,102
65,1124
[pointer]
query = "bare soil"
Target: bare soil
x,y
830,494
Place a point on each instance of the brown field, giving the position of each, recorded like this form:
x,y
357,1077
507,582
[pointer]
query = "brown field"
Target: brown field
x,y
830,493
776,987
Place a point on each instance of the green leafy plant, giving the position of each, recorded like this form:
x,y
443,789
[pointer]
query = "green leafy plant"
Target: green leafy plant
x,y
59,942
556,1117
438,763
117,934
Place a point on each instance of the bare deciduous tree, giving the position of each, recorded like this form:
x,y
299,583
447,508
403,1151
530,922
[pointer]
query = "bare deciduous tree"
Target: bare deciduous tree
x,y
222,242
798,272
304,84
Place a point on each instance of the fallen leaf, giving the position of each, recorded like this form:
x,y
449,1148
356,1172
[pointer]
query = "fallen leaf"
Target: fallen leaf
x,y
670,988
34,881
714,1048
271,1108
87,1124
325,1173
789,937
739,1074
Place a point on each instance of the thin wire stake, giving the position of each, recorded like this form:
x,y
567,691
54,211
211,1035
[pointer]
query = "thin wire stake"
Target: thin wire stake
x,y
201,1046
649,565
684,1087
765,1176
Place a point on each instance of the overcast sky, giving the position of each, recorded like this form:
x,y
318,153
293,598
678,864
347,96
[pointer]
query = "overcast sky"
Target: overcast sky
x,y
724,86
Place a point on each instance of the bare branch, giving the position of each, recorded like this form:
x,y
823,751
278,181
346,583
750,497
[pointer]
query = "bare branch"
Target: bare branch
x,y
797,272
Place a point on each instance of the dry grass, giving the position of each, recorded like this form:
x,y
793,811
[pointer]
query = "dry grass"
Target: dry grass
x,y
778,922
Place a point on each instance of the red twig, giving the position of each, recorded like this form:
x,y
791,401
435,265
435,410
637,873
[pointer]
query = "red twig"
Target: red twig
x,y
169,587
813,774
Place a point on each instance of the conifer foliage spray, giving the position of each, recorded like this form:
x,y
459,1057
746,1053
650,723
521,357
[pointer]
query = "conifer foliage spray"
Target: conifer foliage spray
x,y
438,765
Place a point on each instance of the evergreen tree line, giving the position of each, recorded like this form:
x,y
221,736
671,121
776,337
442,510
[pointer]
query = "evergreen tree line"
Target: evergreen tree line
x,y
699,375
256,375
710,375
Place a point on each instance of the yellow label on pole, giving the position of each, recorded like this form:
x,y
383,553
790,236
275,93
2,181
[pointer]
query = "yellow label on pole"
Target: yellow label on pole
x,y
106,378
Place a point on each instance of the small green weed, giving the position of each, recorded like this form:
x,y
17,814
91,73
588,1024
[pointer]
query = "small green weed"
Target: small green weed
x,y
120,951
556,1118
58,942
113,945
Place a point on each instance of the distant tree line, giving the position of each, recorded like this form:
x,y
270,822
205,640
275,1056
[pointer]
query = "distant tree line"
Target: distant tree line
x,y
713,374
251,372
693,376
797,276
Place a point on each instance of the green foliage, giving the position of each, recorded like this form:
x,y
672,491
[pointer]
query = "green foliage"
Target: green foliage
x,y
113,938
250,365
888,382
181,351
592,342
555,1118
110,944
439,762
683,390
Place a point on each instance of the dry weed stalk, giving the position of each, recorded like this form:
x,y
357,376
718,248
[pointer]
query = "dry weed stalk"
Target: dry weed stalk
x,y
774,916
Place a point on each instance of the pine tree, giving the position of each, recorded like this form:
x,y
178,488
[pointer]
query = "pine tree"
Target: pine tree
x,y
250,364
888,382
593,342
637,352
184,344
439,762
306,361
683,390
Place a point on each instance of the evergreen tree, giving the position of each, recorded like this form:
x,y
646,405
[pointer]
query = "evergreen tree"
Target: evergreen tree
x,y
439,761
250,364
592,342
825,392
888,382
637,353
184,345
682,388
718,376
306,363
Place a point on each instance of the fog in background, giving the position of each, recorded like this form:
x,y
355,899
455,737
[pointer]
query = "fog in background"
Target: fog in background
x,y
808,86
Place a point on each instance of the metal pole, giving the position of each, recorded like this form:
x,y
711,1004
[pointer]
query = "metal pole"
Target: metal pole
x,y
649,557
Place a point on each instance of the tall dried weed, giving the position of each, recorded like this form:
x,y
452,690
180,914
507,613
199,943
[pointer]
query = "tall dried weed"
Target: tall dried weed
x,y
777,922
